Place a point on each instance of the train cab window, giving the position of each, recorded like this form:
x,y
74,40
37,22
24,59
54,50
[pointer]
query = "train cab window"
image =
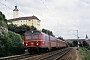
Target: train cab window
x,y
35,36
36,32
28,37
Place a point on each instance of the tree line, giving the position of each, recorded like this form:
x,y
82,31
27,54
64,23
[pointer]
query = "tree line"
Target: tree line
x,y
20,29
2,17
75,44
10,42
23,28
3,20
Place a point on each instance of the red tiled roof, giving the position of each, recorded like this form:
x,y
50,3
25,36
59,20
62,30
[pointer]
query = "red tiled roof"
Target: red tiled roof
x,y
23,18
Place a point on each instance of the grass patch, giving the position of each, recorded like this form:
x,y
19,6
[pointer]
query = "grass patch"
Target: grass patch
x,y
85,53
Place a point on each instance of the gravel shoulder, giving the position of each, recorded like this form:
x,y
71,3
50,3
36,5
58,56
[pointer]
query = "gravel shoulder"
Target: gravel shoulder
x,y
72,55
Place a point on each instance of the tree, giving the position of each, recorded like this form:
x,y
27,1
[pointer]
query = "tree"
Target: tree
x,y
18,29
3,43
2,17
85,43
22,29
61,38
10,44
47,32
3,21
12,27
68,44
44,30
33,28
75,43
17,45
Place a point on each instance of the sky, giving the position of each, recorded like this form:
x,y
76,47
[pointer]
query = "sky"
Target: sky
x,y
63,17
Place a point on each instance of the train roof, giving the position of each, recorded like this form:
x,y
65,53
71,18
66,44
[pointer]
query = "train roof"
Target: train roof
x,y
33,32
36,32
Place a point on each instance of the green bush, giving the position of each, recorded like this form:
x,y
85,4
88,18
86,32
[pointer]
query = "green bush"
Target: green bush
x,y
85,52
10,44
88,47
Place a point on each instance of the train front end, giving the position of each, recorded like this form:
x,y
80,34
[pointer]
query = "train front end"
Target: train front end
x,y
32,41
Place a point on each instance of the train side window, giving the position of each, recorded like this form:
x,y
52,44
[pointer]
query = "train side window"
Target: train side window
x,y
43,37
28,37
46,38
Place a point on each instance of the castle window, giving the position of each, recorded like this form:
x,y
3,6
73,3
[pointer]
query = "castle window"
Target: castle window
x,y
38,24
26,23
38,21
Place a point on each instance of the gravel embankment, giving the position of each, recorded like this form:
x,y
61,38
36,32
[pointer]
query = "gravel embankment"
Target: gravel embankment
x,y
70,55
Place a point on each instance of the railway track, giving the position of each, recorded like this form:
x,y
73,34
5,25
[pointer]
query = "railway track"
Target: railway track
x,y
16,57
57,56
45,56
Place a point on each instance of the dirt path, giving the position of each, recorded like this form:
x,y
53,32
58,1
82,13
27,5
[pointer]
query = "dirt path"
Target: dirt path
x,y
72,55
77,55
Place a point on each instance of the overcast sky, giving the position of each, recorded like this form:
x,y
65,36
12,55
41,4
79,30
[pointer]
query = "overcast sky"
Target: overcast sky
x,y
63,17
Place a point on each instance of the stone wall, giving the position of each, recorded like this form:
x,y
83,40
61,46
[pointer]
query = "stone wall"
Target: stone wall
x,y
3,29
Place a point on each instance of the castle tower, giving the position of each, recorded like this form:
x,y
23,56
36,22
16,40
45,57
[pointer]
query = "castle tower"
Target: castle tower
x,y
86,38
15,12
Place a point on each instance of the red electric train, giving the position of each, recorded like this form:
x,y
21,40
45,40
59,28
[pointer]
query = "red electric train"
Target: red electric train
x,y
37,41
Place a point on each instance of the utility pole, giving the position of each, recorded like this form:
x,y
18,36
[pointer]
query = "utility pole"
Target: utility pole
x,y
77,38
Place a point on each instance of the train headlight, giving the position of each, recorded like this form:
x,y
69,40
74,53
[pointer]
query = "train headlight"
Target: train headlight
x,y
26,44
43,42
32,43
37,44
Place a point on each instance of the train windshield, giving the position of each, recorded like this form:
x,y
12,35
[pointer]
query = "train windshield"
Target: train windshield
x,y
28,37
35,37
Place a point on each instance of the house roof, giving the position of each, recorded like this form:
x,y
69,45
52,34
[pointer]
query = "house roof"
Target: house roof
x,y
23,18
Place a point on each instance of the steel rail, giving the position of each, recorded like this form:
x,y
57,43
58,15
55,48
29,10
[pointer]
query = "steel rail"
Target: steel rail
x,y
57,56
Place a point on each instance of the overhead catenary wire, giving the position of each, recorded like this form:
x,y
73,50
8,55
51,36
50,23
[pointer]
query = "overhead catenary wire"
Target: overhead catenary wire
x,y
14,5
5,5
50,11
44,5
8,7
54,15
